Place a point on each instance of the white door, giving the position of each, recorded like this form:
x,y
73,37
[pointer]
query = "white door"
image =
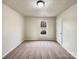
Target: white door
x,y
59,30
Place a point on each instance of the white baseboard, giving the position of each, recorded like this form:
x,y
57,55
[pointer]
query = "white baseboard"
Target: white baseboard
x,y
72,54
11,50
40,38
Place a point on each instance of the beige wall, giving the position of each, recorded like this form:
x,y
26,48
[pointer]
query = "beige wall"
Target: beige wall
x,y
12,31
69,18
32,28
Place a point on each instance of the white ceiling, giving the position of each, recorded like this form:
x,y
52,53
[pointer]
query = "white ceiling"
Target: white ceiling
x,y
29,7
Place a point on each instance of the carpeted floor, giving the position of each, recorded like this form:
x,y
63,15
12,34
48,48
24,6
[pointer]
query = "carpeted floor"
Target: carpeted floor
x,y
39,50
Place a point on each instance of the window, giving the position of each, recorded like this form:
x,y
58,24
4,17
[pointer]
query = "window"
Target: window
x,y
43,24
43,32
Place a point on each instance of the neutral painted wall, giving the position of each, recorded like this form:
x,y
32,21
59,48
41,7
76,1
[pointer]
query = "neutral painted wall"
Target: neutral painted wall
x,y
12,31
32,28
69,18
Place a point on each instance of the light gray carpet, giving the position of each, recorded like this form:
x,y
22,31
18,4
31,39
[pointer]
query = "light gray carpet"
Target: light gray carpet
x,y
39,50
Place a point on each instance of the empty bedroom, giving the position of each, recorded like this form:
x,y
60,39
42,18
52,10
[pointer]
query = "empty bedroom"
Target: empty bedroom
x,y
39,29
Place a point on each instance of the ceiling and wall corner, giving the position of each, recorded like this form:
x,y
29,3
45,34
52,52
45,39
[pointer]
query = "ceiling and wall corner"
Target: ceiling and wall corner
x,y
29,7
